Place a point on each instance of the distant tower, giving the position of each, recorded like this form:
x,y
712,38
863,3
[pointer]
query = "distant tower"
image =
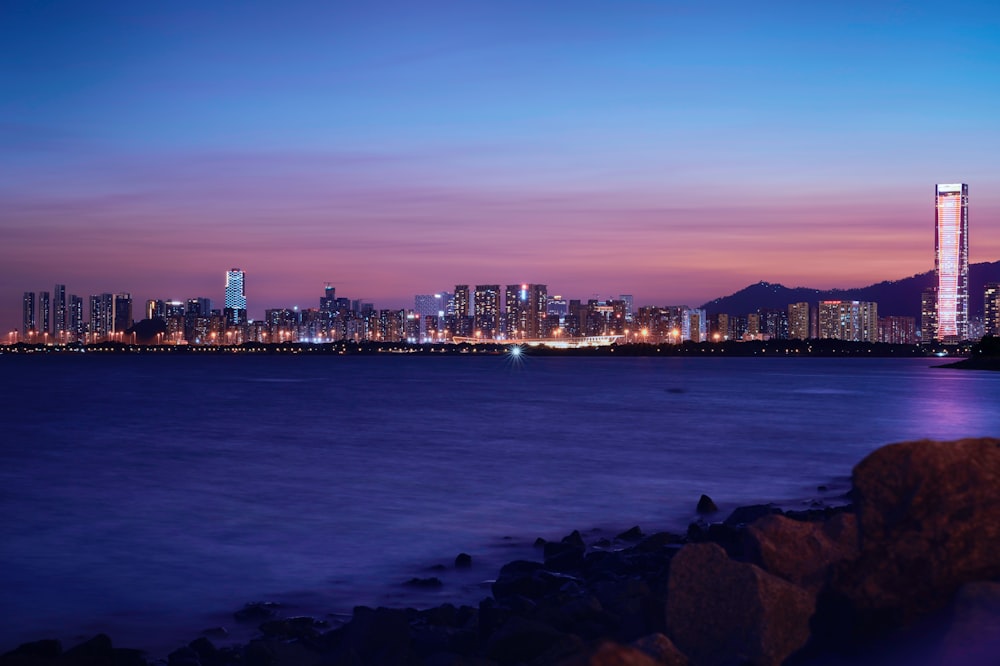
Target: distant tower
x,y
44,312
236,299
951,261
798,321
59,318
487,305
29,317
991,309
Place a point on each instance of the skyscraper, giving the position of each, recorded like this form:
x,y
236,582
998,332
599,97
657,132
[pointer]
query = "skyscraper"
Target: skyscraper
x,y
991,309
44,312
236,299
487,307
848,320
59,314
798,321
951,260
29,318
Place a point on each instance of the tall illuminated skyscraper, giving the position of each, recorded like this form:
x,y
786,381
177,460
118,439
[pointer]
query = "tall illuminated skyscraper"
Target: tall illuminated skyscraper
x,y
951,260
236,299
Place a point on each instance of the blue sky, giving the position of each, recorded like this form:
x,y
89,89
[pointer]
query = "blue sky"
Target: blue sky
x,y
673,150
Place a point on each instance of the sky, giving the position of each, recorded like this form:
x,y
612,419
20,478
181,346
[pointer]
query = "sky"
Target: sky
x,y
676,151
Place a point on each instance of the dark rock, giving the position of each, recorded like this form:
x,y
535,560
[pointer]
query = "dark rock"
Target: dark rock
x,y
822,489
927,520
721,611
463,561
208,654
217,632
603,542
257,611
661,649
380,636
44,649
564,556
632,603
520,640
517,578
801,552
293,627
574,538
433,581
745,515
540,542
631,534
706,505
659,541
97,648
184,656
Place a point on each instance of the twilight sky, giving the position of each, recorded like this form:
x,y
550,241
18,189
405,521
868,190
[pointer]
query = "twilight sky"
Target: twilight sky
x,y
674,150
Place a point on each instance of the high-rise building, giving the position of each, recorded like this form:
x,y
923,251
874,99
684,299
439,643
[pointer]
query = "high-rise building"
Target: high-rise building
x,y
928,315
798,321
897,330
59,319
76,327
29,316
44,312
856,321
527,307
236,299
462,323
951,260
487,308
122,313
991,309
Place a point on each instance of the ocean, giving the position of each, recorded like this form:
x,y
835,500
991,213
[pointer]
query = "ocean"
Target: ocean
x,y
150,497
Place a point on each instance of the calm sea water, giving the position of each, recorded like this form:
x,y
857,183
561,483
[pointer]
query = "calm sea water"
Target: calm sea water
x,y
150,497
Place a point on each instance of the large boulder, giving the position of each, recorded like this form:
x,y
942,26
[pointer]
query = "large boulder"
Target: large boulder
x,y
720,611
928,522
802,552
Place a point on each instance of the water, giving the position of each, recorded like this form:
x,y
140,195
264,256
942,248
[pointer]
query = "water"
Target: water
x,y
150,497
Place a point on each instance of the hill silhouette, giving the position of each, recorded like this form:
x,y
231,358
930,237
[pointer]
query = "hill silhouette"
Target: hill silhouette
x,y
894,297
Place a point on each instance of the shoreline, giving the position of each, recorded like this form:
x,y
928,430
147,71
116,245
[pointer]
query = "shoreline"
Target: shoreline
x,y
759,348
585,601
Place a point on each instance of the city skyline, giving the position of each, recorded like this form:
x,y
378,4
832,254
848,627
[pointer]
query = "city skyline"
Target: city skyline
x,y
673,152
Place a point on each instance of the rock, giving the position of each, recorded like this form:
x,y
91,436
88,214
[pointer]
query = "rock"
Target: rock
x,y
379,636
256,611
974,635
184,656
208,654
631,602
612,654
44,649
801,552
720,611
574,538
661,649
631,534
745,515
293,627
97,648
928,523
521,639
463,561
706,505
433,581
564,556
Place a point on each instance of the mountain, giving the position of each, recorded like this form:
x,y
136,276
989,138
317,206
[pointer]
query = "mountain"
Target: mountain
x,y
894,297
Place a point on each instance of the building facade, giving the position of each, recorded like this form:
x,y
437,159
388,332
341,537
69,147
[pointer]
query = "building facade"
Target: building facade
x,y
798,321
855,321
236,297
951,261
991,309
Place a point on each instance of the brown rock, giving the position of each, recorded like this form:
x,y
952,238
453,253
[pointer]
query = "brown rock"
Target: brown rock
x,y
612,654
720,611
802,552
661,649
929,521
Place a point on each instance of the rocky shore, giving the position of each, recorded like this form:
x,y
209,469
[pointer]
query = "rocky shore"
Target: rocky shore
x,y
909,572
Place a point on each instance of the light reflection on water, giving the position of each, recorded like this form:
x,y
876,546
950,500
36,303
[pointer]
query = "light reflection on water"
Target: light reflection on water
x,y
145,492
